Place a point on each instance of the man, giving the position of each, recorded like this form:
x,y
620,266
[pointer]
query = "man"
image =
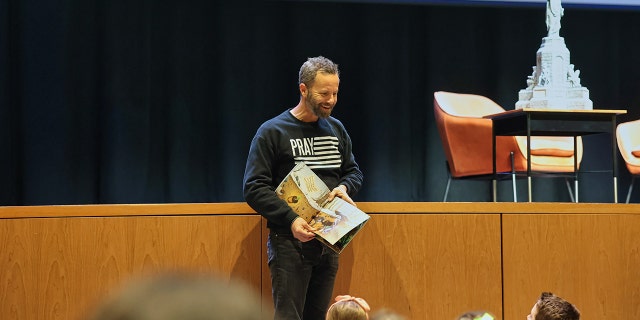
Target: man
x,y
302,269
552,307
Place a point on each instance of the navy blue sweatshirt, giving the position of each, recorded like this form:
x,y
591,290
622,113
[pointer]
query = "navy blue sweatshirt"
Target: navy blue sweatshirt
x,y
284,140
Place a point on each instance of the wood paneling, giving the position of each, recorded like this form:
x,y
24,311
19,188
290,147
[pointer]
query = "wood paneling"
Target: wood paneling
x,y
426,266
59,268
235,208
425,260
423,266
115,210
590,260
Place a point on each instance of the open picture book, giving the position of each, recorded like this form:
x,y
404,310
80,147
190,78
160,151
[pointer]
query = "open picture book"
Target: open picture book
x,y
336,221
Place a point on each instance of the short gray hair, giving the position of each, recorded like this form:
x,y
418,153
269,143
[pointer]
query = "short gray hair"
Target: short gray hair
x,y
314,65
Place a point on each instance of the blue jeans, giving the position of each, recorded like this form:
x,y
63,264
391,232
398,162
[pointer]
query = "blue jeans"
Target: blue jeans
x,y
302,277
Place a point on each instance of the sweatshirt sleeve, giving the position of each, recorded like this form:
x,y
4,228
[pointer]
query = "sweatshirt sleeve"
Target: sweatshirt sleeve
x,y
259,185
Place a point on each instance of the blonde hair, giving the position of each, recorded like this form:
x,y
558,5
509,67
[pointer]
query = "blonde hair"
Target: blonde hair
x,y
348,308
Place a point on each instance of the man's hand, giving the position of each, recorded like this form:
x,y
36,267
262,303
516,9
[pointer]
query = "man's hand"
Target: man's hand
x,y
341,192
302,230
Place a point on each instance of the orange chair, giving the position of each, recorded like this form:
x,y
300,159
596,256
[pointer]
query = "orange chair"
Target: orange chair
x,y
628,137
467,141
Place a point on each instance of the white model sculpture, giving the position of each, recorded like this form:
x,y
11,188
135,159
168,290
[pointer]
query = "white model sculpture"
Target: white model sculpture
x,y
554,83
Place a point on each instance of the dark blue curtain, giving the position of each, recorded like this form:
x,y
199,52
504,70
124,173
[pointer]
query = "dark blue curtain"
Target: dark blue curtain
x,y
152,101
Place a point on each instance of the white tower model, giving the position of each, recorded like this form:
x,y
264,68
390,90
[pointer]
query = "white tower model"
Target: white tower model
x,y
554,83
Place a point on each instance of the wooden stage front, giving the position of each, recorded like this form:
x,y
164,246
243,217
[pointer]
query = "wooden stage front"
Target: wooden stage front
x,y
426,260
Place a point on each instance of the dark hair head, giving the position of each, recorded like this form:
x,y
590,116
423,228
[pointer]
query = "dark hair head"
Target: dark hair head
x,y
552,307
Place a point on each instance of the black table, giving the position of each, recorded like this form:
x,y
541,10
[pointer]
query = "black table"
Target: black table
x,y
552,122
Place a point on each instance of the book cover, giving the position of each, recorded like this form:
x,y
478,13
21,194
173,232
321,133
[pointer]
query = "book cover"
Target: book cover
x,y
336,221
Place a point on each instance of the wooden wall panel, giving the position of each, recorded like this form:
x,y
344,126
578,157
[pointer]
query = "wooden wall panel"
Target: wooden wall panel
x,y
426,260
591,260
423,266
59,268
426,266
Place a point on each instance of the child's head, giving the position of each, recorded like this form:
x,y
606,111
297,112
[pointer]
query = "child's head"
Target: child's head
x,y
348,308
476,315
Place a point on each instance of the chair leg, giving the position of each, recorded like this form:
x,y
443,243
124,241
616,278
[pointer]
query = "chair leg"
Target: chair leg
x,y
513,179
446,190
575,188
569,189
633,178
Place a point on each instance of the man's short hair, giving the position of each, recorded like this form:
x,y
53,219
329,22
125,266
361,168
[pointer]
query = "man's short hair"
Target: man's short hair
x,y
312,66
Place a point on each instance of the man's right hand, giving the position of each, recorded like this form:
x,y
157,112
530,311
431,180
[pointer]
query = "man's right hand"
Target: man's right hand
x,y
301,230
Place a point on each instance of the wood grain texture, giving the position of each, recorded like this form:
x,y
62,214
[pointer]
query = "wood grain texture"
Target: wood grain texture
x,y
425,260
590,260
241,208
426,266
116,210
422,266
59,268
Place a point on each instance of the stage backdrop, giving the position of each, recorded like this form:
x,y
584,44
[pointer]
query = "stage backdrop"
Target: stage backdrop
x,y
150,101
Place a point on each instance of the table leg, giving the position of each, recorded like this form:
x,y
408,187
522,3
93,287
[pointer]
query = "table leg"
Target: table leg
x,y
575,167
529,157
614,158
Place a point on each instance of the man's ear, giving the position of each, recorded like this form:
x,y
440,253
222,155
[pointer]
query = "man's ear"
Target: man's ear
x,y
303,90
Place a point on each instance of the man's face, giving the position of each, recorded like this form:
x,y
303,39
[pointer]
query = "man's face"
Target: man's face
x,y
534,312
322,95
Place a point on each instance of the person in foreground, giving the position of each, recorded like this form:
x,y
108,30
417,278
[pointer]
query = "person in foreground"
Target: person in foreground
x,y
476,315
552,307
182,297
387,314
347,307
303,270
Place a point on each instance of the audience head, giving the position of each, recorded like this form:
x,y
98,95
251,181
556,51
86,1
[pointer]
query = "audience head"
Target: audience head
x,y
348,308
387,314
476,315
182,297
552,307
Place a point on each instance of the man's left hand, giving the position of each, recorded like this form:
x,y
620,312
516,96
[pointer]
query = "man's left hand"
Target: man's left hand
x,y
341,192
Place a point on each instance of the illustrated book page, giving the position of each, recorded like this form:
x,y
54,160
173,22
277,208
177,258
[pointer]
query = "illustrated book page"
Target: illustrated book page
x,y
336,221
